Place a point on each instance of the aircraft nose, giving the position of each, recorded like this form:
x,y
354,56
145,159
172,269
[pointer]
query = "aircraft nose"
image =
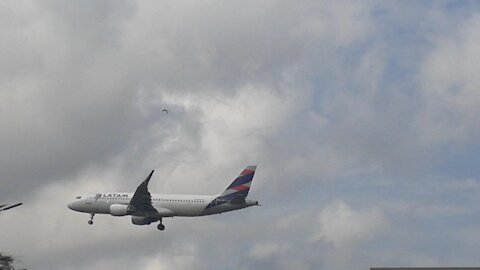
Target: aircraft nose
x,y
71,205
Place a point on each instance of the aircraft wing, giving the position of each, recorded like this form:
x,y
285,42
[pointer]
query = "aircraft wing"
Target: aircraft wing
x,y
4,207
142,200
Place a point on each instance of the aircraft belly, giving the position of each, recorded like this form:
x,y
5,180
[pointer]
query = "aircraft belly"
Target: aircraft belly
x,y
221,209
192,211
184,210
104,207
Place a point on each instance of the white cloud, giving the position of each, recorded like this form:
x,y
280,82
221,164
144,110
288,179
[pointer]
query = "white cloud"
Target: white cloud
x,y
180,257
450,83
344,227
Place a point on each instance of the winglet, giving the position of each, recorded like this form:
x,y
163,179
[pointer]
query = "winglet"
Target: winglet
x,y
149,176
141,196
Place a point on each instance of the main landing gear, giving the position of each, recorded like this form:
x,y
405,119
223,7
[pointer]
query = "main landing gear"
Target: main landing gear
x,y
160,226
90,222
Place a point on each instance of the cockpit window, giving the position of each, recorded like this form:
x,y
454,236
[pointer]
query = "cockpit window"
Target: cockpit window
x,y
78,197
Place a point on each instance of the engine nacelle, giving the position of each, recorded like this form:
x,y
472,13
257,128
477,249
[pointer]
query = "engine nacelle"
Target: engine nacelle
x,y
120,210
142,220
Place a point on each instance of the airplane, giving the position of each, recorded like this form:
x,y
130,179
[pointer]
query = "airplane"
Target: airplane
x,y
145,208
4,207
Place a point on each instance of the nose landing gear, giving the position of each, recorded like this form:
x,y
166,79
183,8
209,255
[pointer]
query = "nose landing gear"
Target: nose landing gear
x,y
160,226
90,222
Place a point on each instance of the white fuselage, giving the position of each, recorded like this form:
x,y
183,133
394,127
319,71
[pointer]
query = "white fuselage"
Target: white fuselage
x,y
168,205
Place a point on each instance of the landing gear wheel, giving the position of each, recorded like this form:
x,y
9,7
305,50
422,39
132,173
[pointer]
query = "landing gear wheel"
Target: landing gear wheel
x,y
161,227
90,222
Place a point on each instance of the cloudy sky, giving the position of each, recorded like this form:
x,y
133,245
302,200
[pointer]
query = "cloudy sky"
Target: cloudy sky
x,y
362,116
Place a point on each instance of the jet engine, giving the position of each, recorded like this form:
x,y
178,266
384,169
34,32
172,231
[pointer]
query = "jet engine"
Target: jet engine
x,y
142,220
120,210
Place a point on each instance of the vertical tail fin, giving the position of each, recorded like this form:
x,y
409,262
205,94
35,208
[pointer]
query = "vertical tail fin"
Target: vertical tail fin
x,y
240,186
237,190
